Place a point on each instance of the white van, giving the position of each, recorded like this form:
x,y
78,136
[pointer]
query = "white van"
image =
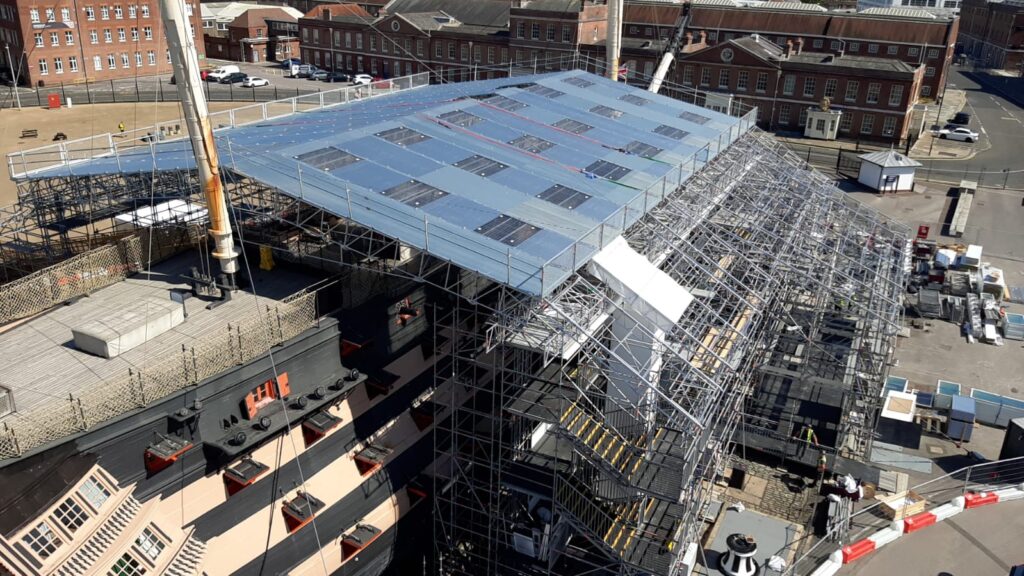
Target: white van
x,y
301,70
218,73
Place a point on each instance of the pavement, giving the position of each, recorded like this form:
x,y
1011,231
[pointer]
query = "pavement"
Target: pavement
x,y
930,146
978,542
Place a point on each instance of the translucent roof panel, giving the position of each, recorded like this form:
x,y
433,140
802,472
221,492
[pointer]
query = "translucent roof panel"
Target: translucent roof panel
x,y
521,179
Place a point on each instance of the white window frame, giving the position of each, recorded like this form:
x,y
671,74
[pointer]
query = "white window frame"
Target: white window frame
x,y
44,67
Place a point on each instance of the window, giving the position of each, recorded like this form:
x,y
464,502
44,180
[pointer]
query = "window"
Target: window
x,y
741,80
438,50
788,84
929,71
784,114
810,87
896,95
831,85
73,63
853,46
818,43
149,544
464,52
873,48
42,540
39,40
892,50
148,32
451,50
145,11
705,76
889,126
688,75
120,35
852,88
118,12
106,36
44,68
359,41
70,515
933,52
58,65
926,90
762,82
348,39
535,31
874,89
111,62
50,15
97,63
65,15
566,34
151,57
836,45
90,13
490,54
867,124
419,47
92,491
316,37
846,122
913,51
648,31
132,11
521,30
819,125
104,13
54,39
802,120
188,10
69,38
633,30
138,59
713,35
550,33
126,565
125,62
723,79
135,34
34,15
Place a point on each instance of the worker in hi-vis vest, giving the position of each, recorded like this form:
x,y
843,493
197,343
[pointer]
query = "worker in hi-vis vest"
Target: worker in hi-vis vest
x,y
807,436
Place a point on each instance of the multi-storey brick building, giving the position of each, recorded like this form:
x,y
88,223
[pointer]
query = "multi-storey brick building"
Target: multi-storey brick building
x,y
69,41
875,95
256,35
993,33
549,31
452,38
914,38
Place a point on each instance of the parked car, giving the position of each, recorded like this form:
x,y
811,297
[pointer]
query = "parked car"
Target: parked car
x,y
961,133
319,75
234,78
302,71
961,118
217,74
337,77
286,64
254,81
362,79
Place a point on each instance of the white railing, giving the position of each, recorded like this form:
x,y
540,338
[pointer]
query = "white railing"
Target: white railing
x,y
145,140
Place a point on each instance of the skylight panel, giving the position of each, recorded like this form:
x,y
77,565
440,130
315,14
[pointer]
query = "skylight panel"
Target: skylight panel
x,y
606,111
480,165
671,132
634,99
531,143
505,103
574,126
578,82
545,91
328,158
639,148
460,118
564,196
508,230
402,136
695,118
608,170
414,193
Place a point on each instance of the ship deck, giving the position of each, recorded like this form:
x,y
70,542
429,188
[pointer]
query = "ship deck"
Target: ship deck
x,y
41,364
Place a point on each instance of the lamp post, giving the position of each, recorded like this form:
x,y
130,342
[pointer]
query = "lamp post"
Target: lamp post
x,y
14,74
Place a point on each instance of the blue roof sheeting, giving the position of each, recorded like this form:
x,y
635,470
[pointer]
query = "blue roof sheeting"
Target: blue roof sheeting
x,y
520,179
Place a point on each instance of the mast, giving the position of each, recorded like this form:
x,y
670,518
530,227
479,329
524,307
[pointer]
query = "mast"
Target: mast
x,y
181,44
613,38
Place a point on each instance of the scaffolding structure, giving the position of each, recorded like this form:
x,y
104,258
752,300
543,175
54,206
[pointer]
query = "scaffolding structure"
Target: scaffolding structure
x,y
593,435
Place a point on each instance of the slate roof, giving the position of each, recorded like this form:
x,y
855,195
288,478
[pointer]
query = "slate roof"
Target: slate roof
x,y
489,13
889,159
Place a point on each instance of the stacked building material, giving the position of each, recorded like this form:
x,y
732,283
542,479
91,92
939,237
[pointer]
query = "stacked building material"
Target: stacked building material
x,y
929,303
1013,327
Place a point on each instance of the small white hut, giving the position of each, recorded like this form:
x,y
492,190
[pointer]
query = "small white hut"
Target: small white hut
x,y
887,171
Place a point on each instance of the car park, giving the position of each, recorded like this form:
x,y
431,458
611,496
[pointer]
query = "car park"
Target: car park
x,y
234,78
960,133
362,79
319,75
254,81
336,77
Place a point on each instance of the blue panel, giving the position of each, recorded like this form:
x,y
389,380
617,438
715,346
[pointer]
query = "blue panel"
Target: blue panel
x,y
368,175
522,181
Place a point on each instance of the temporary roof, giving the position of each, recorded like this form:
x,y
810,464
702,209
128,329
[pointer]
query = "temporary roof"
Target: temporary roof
x,y
521,179
889,159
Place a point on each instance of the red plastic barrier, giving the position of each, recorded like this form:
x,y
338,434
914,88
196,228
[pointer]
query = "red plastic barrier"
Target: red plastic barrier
x,y
975,499
857,550
917,522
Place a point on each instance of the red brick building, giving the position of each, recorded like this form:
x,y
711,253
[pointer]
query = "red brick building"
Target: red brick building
x,y
552,31
875,95
923,40
453,38
993,33
256,35
69,41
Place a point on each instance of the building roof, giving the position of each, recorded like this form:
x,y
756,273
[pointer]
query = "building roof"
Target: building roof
x,y
552,5
257,17
336,10
889,159
490,13
226,12
760,46
521,180
851,61
899,12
